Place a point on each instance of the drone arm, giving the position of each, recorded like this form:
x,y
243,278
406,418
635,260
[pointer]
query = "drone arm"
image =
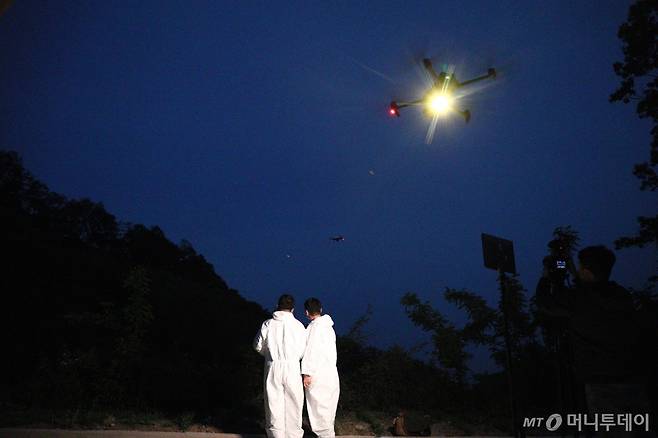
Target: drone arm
x,y
412,103
490,74
394,108
428,66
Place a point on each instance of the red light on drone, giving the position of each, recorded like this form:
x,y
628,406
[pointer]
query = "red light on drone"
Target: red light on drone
x,y
394,110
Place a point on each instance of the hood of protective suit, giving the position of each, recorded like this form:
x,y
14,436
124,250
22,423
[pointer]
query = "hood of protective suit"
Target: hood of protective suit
x,y
323,320
280,315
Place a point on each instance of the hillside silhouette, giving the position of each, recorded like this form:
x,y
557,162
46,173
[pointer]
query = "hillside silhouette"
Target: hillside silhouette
x,y
102,314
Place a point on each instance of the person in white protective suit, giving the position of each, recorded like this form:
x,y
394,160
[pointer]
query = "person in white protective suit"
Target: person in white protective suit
x,y
282,340
319,370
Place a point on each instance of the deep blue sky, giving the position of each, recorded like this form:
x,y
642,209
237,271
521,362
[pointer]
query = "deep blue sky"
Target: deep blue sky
x,y
250,128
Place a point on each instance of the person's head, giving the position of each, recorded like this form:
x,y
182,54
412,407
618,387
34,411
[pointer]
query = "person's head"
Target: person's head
x,y
596,263
313,308
286,302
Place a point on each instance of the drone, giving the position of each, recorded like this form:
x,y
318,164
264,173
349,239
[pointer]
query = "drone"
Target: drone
x,y
440,97
337,238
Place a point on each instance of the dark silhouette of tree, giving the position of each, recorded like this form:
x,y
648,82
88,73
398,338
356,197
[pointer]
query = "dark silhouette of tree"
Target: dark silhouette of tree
x,y
138,312
569,237
484,325
89,222
99,315
449,341
389,380
639,83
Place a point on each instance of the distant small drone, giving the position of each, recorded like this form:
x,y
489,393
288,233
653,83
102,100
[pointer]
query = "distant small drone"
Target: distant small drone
x,y
337,238
440,98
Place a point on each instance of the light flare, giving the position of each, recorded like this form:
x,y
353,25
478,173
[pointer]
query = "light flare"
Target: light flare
x,y
439,103
429,137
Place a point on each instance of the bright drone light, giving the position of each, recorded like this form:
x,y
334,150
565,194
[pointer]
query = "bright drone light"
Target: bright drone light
x,y
439,103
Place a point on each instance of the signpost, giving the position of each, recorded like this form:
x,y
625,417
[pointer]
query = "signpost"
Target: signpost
x,y
499,255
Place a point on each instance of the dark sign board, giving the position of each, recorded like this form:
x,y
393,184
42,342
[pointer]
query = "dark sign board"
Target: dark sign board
x,y
498,253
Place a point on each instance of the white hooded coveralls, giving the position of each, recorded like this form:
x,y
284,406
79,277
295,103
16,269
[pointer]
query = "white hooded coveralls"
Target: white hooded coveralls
x,y
319,362
281,340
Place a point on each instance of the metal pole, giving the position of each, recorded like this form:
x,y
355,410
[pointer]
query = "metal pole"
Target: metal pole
x,y
518,432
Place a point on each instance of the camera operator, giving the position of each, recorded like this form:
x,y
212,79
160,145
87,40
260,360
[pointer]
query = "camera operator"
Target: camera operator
x,y
596,316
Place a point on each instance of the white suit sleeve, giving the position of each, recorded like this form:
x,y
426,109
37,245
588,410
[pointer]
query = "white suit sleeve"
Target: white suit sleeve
x,y
259,340
310,359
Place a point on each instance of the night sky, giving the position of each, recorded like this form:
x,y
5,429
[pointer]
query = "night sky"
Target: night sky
x,y
258,130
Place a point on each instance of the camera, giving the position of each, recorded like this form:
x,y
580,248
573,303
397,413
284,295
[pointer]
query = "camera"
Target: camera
x,y
559,252
556,261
